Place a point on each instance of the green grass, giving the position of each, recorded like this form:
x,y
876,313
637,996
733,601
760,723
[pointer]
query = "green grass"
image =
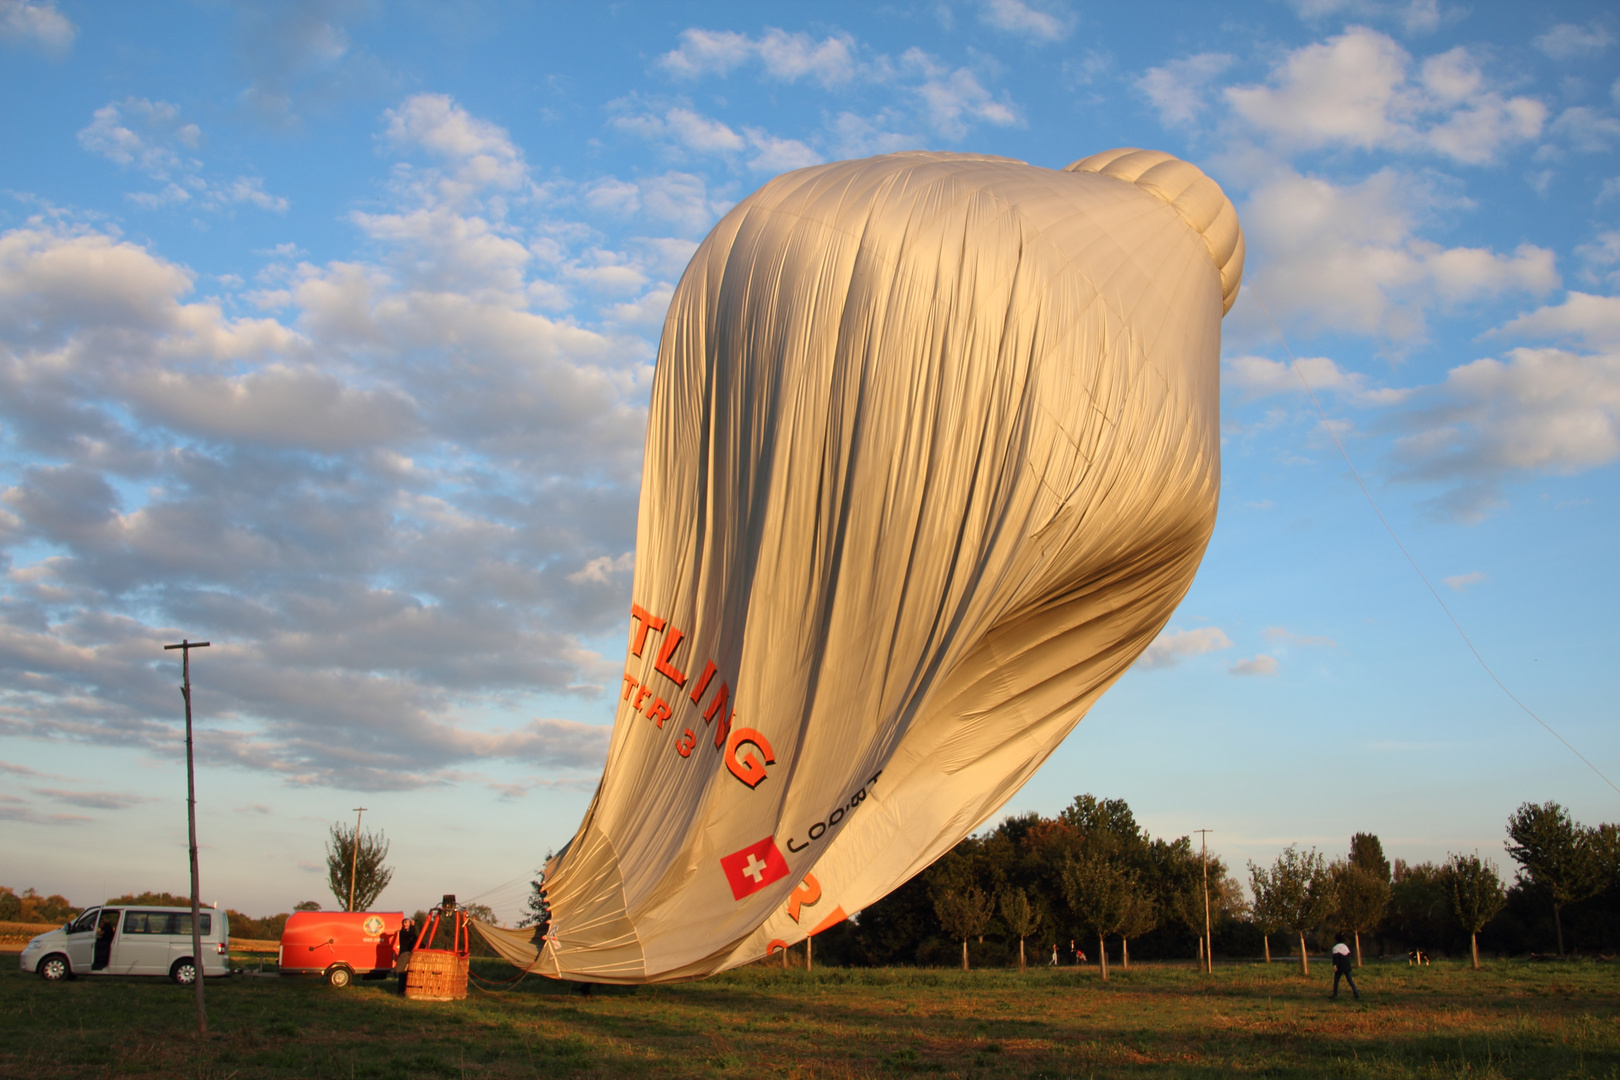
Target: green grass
x,y
1510,1020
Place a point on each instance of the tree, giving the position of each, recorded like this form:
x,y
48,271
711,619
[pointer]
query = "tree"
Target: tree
x,y
536,909
964,911
1301,894
1361,897
1267,919
309,905
1141,915
1476,895
1367,852
371,877
1098,890
1022,918
1561,858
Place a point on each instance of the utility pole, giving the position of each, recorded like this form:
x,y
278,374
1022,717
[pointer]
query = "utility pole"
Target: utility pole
x,y
1203,857
185,648
354,852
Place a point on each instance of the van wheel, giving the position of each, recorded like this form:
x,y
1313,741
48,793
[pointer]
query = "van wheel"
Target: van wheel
x,y
54,968
184,971
338,976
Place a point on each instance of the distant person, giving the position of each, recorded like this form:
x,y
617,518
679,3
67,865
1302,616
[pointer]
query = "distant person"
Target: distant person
x,y
407,944
1054,955
1341,967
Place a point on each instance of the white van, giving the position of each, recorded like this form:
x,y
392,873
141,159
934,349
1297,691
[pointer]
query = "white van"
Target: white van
x,y
131,940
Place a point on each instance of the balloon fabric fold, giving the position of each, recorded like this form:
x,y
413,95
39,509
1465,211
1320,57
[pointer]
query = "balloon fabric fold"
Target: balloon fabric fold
x,y
932,456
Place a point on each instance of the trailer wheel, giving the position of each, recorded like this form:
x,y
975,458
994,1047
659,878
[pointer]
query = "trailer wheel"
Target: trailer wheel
x,y
54,968
183,971
339,976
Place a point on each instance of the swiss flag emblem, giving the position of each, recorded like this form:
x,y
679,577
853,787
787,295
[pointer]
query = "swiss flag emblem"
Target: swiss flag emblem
x,y
754,867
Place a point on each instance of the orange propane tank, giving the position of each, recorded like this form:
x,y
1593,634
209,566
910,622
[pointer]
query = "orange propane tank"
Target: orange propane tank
x,y
340,945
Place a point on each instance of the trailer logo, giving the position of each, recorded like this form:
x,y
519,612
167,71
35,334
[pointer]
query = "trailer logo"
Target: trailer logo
x,y
754,867
373,925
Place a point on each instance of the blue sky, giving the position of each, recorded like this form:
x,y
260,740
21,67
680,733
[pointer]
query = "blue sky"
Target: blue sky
x,y
326,333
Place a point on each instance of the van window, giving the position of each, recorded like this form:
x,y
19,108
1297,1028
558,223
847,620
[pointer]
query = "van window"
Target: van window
x,y
84,923
164,922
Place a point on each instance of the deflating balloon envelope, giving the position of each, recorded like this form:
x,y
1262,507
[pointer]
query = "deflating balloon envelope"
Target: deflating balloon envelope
x,y
933,454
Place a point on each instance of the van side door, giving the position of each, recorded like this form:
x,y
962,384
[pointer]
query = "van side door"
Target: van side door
x,y
143,947
81,940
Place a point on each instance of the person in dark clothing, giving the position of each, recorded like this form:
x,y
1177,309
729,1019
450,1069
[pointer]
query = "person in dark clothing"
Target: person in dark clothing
x,y
1341,967
405,945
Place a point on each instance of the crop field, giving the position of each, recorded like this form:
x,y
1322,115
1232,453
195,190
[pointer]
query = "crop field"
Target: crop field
x,y
1513,1019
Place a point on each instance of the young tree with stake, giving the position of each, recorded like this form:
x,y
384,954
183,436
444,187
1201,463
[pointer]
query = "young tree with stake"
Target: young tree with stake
x,y
1021,916
1476,895
1098,890
354,866
964,911
1301,894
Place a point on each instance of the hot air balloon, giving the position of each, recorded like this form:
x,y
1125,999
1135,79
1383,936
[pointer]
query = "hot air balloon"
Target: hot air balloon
x,y
932,456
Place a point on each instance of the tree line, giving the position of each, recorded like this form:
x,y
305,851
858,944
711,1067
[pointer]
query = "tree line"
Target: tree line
x,y
1090,878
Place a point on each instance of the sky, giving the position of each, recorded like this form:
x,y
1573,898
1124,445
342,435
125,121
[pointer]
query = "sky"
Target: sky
x,y
327,332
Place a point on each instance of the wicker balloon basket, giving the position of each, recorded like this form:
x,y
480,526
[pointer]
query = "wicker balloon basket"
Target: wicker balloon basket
x,y
440,974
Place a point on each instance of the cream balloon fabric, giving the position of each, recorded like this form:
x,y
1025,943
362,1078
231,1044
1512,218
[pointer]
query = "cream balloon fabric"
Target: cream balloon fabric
x,y
933,454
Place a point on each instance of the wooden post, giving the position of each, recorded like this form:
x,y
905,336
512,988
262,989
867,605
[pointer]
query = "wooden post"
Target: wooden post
x,y
354,852
1203,856
809,962
185,648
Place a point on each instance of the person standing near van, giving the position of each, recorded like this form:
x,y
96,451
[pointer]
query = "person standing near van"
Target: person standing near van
x,y
1341,967
405,945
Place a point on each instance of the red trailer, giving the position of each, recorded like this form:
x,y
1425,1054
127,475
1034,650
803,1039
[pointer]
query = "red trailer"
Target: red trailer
x,y
340,945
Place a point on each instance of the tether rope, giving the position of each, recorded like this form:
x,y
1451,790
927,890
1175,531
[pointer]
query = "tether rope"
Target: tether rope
x,y
1328,424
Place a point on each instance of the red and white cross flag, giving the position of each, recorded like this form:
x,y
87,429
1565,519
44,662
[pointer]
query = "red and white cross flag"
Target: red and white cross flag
x,y
754,867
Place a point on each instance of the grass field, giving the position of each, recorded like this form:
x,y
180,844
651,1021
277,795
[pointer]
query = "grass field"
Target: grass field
x,y
1513,1019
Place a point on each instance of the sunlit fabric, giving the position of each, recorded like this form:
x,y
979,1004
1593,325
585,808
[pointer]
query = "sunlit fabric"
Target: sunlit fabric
x,y
933,454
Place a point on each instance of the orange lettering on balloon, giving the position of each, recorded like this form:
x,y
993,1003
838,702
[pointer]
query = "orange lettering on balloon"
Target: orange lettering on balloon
x,y
658,711
629,684
808,892
703,681
663,666
648,622
749,768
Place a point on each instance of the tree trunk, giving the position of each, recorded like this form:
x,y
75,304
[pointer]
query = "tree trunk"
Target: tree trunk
x,y
964,954
1020,956
808,963
1473,946
1200,952
1558,921
1102,956
1267,939
1304,961
1124,953
1357,935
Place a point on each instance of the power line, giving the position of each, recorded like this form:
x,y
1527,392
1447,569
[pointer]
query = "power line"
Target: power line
x,y
1328,424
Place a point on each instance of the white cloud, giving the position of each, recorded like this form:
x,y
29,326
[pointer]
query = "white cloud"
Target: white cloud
x,y
1414,16
1566,41
1357,90
952,98
1179,89
782,56
38,24
1462,582
1283,634
1349,257
692,132
1542,410
150,137
173,462
1171,647
1258,376
1586,129
1260,664
1038,23
1594,320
